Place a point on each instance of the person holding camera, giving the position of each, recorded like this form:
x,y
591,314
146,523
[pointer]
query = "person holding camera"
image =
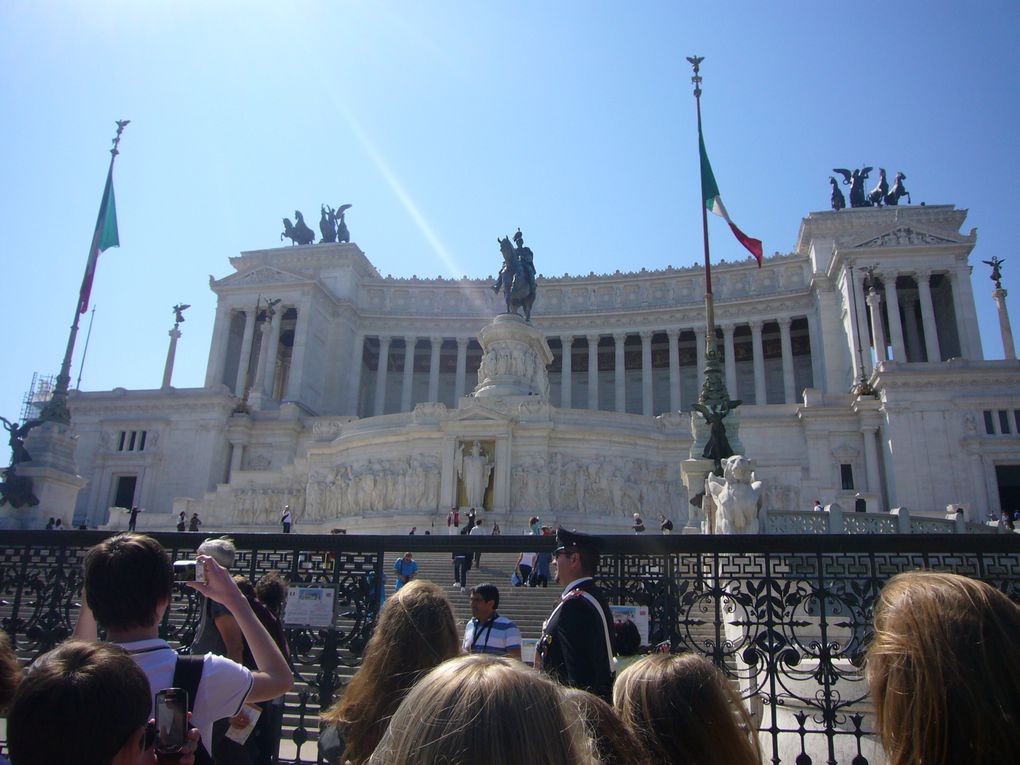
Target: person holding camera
x,y
128,584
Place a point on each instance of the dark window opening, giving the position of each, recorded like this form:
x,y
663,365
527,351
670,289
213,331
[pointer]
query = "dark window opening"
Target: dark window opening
x,y
846,475
125,496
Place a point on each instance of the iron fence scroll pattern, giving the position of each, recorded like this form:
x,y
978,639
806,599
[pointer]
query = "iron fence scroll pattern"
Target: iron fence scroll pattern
x,y
786,618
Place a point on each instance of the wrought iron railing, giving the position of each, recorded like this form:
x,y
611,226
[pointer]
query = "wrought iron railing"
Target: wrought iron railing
x,y
787,618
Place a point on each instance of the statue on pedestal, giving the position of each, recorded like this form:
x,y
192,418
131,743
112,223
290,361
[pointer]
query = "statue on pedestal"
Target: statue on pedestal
x,y
996,264
736,497
475,469
516,276
18,433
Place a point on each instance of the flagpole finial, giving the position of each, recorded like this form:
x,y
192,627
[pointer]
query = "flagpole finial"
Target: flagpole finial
x,y
695,61
121,124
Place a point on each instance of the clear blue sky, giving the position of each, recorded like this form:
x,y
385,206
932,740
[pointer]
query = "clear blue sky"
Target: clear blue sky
x,y
449,124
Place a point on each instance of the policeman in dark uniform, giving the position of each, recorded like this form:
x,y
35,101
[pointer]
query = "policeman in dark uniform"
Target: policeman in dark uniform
x,y
576,647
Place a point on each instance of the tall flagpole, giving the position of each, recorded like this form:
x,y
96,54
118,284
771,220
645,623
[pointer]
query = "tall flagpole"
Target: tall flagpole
x,y
709,304
56,408
714,436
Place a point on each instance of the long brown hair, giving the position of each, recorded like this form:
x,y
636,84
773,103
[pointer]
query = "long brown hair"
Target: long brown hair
x,y
686,711
416,632
944,672
615,742
485,709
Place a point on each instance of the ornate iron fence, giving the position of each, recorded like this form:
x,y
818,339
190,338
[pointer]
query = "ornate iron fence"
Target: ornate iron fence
x,y
787,618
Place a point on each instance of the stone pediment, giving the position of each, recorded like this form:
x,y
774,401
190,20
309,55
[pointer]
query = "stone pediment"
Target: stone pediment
x,y
490,412
258,276
907,236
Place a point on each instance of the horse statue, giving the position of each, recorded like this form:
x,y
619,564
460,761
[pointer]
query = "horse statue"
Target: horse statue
x,y
878,194
855,180
838,200
298,233
516,276
342,234
327,224
898,190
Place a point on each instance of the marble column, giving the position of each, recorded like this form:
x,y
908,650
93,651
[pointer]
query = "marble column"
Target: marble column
x,y
870,434
458,385
646,374
931,335
892,310
566,370
729,349
408,383
218,347
171,352
760,397
861,325
245,357
786,345
1008,349
436,345
272,351
966,313
620,371
297,359
593,371
379,405
877,327
357,362
673,335
259,383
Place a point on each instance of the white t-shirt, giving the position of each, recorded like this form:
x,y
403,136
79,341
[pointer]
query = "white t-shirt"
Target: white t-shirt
x,y
221,692
528,559
476,529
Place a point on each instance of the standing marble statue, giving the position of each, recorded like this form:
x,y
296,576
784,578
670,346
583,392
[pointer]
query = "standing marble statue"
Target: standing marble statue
x,y
736,497
475,469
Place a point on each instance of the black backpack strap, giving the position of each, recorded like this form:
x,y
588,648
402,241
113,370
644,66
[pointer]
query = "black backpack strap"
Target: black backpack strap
x,y
188,675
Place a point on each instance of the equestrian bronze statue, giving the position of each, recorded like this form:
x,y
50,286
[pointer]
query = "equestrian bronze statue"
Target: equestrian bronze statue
x,y
516,276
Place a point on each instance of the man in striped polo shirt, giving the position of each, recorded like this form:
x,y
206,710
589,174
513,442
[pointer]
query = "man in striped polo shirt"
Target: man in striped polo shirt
x,y
487,631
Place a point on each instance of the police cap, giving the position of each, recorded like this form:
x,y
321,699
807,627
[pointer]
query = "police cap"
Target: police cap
x,y
569,541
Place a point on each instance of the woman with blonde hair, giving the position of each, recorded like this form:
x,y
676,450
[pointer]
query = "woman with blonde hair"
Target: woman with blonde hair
x,y
943,671
416,632
485,709
685,711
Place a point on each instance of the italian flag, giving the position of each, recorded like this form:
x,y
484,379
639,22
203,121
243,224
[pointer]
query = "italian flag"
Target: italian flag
x,y
103,238
714,203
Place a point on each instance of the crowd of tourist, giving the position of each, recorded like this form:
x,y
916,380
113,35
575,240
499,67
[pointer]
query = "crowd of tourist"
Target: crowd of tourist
x,y
945,686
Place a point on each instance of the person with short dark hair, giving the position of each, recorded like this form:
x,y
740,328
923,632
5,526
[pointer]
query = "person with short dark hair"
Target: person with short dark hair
x,y
182,522
406,568
576,646
487,631
81,703
271,590
286,519
128,584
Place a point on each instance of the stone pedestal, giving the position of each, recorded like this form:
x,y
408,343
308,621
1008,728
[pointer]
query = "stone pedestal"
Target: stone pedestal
x,y
693,473
514,359
55,479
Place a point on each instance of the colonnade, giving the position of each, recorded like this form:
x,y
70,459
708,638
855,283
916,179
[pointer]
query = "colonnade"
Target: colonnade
x,y
372,402
267,355
911,339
